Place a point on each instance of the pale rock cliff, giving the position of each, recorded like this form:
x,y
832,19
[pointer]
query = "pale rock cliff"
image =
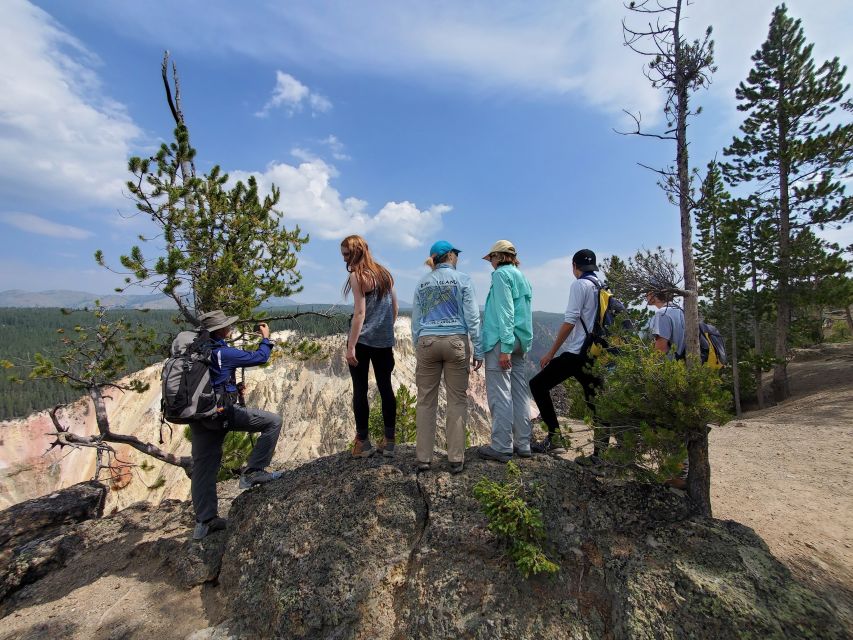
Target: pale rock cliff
x,y
313,397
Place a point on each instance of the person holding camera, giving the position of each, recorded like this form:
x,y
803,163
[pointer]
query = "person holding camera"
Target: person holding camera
x,y
209,435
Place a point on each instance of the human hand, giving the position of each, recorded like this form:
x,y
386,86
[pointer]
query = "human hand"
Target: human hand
x,y
505,361
477,364
264,329
350,356
545,360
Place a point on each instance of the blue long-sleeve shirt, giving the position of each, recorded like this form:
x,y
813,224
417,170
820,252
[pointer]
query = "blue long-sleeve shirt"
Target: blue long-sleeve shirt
x,y
226,360
444,305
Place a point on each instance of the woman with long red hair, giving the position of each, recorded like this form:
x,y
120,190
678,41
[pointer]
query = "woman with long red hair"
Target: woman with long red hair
x,y
371,339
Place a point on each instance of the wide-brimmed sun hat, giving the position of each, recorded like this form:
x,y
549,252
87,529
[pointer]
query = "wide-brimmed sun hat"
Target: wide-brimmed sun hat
x,y
213,320
501,246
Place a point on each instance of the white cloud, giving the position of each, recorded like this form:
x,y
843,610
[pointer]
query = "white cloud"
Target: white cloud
x,y
291,95
63,139
309,199
336,147
533,50
38,225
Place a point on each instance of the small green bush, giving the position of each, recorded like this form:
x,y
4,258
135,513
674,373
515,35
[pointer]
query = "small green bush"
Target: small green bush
x,y
513,520
406,427
838,332
578,409
654,405
235,451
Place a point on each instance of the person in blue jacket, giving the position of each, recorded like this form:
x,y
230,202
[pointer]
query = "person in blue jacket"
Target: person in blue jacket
x,y
208,435
444,316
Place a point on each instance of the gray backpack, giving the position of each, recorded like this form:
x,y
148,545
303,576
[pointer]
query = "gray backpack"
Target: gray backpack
x,y
187,393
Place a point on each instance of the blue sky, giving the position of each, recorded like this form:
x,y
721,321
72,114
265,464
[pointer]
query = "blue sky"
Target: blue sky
x,y
406,122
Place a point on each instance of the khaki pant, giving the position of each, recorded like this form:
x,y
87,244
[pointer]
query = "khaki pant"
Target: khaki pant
x,y
437,355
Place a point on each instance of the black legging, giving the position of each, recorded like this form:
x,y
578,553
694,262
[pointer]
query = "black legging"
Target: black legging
x,y
564,366
383,365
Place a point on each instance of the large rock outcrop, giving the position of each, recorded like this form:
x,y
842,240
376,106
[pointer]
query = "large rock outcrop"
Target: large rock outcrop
x,y
343,548
32,541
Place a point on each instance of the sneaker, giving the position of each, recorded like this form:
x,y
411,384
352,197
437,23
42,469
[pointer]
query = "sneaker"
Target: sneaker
x,y
386,448
251,479
553,443
457,467
203,528
490,454
522,453
423,466
362,449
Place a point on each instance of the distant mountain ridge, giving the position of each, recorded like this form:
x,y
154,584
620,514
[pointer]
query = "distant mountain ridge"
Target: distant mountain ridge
x,y
18,298
78,299
68,299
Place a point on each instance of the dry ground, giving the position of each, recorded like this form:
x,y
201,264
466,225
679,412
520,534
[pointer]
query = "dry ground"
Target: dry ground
x,y
787,472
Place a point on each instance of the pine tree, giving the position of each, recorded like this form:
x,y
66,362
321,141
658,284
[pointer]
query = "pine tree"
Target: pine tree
x,y
719,258
790,154
226,248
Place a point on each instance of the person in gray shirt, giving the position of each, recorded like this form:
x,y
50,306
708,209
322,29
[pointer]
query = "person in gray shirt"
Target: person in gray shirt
x,y
667,324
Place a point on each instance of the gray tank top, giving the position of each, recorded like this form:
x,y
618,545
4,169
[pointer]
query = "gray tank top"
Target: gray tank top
x,y
378,328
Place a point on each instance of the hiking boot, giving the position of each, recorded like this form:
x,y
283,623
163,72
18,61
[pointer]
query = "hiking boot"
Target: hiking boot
x,y
203,528
679,481
253,478
589,461
553,443
522,453
490,454
456,467
362,449
386,448
423,466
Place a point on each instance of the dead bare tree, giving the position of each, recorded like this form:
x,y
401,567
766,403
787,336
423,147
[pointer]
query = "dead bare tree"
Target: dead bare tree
x,y
678,67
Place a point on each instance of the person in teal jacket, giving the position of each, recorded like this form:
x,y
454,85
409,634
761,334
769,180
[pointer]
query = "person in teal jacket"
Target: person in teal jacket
x,y
507,337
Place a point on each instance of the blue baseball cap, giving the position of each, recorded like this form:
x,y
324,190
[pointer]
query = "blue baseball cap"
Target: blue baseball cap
x,y
441,248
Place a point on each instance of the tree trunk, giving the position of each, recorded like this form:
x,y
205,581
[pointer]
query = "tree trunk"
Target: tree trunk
x,y
699,473
699,469
105,435
849,319
735,369
756,328
781,389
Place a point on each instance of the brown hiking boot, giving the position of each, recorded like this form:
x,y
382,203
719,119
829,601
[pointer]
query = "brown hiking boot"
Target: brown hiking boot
x,y
386,448
362,449
678,481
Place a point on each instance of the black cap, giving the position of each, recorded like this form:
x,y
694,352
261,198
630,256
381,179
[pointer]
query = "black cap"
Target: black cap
x,y
584,260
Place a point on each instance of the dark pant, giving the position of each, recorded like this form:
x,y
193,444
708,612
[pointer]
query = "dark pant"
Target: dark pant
x,y
565,366
208,437
383,364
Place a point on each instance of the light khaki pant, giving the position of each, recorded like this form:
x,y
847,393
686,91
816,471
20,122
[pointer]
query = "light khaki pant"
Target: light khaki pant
x,y
448,355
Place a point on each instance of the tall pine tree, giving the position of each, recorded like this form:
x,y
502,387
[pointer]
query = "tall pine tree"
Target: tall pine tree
x,y
790,154
719,258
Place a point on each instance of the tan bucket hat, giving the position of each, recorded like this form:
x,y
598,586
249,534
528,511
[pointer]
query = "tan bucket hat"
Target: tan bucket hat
x,y
213,320
501,246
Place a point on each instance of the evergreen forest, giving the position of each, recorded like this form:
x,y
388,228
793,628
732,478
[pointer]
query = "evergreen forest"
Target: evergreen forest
x,y
28,331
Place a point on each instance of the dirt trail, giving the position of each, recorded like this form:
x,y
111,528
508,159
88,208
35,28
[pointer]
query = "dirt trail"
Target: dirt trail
x,y
787,472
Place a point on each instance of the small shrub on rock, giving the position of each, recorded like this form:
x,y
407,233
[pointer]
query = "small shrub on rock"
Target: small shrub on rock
x,y
513,520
